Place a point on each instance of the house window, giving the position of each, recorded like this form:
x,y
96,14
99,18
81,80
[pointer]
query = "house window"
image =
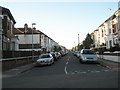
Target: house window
x,y
109,31
116,41
110,43
102,33
119,23
106,43
42,37
13,45
29,46
0,22
114,28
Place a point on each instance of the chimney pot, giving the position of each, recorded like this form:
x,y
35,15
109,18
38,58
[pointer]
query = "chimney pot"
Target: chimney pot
x,y
25,27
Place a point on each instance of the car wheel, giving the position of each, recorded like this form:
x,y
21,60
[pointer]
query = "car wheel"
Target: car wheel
x,y
49,64
52,62
81,61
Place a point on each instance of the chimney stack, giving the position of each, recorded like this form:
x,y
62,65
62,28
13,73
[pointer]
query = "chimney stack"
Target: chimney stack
x,y
25,27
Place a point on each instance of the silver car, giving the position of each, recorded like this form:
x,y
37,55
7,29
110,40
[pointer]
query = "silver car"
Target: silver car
x,y
88,55
45,59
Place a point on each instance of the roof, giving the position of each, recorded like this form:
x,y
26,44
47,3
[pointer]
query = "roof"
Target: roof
x,y
7,11
29,31
17,31
110,18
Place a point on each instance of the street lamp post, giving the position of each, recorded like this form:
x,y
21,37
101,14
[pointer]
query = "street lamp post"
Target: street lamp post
x,y
32,40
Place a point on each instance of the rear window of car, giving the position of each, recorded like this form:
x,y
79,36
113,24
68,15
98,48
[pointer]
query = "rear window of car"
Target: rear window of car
x,y
45,56
88,52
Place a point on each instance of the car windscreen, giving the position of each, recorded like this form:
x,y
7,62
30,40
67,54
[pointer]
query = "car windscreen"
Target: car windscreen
x,y
45,56
88,52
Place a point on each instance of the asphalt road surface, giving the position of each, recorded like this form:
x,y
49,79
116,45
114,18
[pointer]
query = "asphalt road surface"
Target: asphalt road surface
x,y
67,72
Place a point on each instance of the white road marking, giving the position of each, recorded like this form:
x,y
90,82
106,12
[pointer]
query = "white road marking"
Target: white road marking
x,y
65,69
97,71
106,70
68,59
83,72
66,62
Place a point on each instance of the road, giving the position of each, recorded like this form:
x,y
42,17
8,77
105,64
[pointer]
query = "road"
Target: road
x,y
67,72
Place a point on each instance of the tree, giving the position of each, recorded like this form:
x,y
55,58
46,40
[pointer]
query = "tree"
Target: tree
x,y
80,47
57,48
88,41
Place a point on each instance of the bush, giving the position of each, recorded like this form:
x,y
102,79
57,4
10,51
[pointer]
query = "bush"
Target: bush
x,y
111,49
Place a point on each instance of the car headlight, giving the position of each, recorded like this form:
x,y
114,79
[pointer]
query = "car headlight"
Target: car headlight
x,y
38,60
83,57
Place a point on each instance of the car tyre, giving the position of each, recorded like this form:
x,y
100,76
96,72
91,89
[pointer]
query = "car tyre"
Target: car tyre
x,y
81,61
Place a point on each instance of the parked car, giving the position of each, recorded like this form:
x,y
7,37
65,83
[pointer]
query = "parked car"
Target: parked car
x,y
54,56
58,55
75,53
62,53
45,59
78,54
88,55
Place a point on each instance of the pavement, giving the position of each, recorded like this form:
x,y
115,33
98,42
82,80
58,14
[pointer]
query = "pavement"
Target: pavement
x,y
17,70
109,64
21,69
110,58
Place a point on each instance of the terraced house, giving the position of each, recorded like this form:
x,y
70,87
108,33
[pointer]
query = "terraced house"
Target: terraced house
x,y
29,38
1,33
107,34
7,37
47,44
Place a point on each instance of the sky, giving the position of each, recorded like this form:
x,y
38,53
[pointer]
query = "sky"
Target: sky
x,y
62,21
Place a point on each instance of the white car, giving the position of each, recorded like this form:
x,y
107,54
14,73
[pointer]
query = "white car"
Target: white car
x,y
45,59
88,55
